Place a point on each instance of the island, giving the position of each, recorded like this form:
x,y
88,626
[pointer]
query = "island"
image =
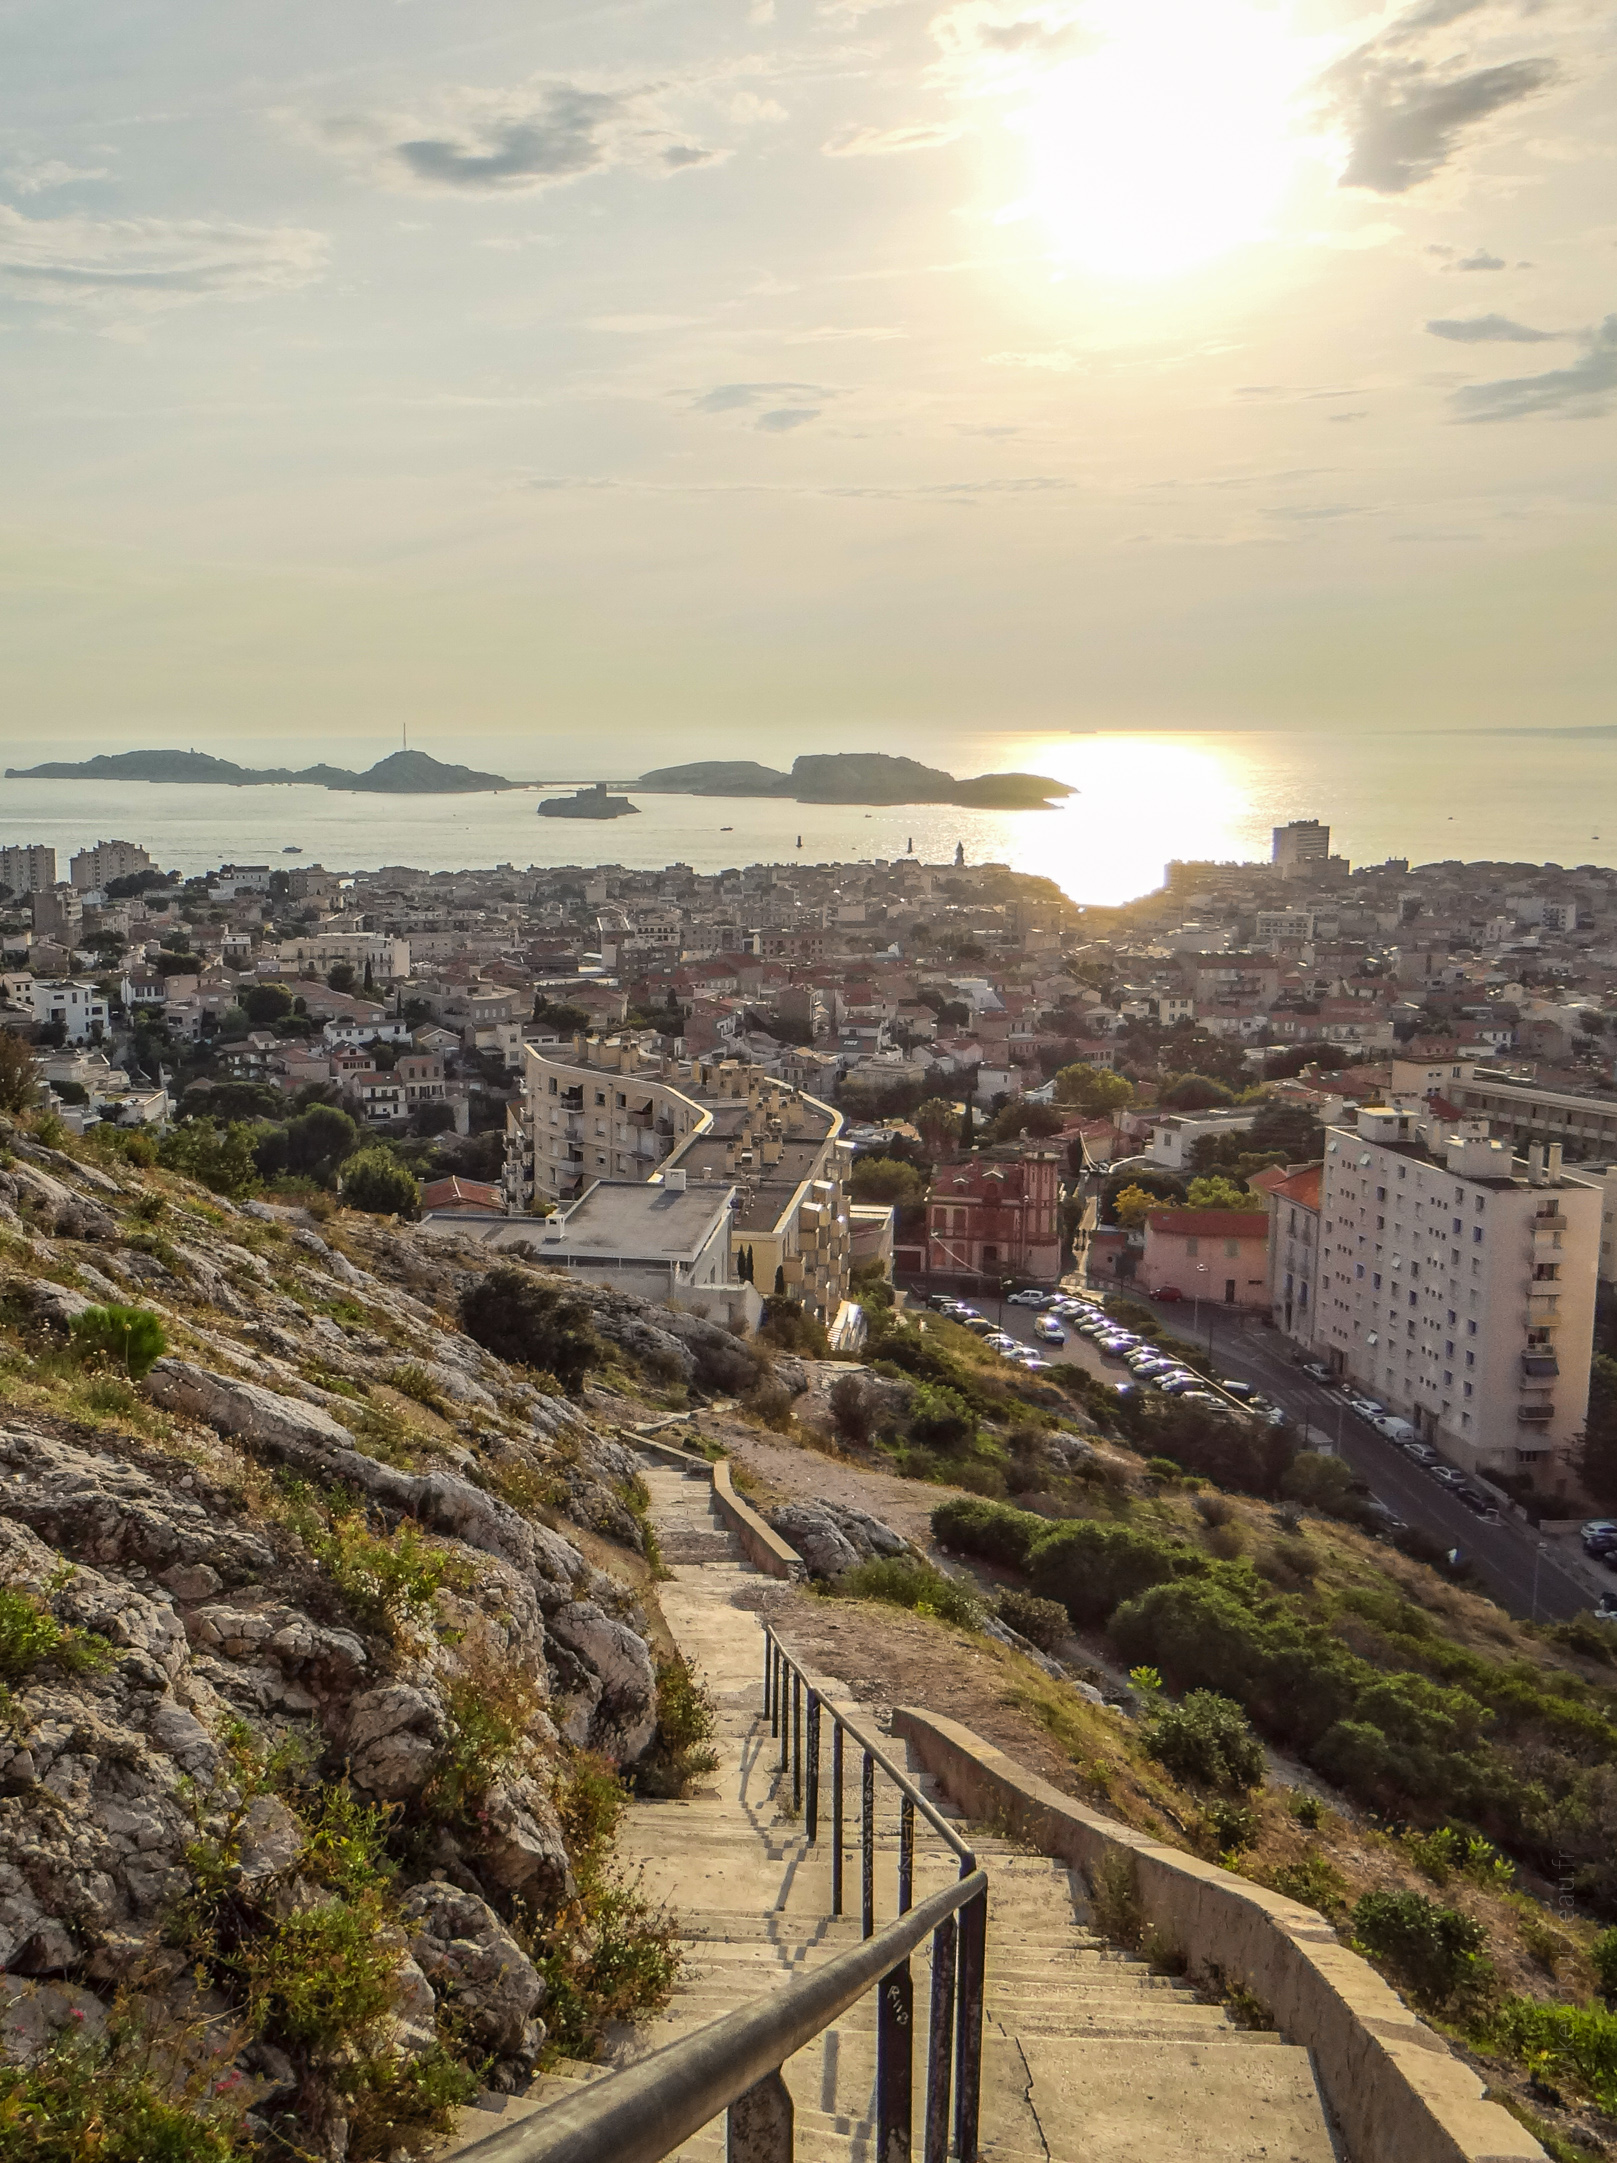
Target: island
x,y
404,773
590,803
856,777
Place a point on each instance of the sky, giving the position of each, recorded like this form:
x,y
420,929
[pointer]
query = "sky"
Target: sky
x,y
644,381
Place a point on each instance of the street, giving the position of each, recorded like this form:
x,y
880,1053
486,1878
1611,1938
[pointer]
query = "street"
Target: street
x,y
1521,1576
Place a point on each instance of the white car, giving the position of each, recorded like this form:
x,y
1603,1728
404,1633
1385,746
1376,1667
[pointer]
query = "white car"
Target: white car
x,y
1049,1329
1028,1299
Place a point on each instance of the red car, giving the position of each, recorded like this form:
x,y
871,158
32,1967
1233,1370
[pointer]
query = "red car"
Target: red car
x,y
1168,1293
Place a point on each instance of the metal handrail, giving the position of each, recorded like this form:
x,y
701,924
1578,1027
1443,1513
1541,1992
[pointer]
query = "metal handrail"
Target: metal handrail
x,y
777,1657
786,1686
644,2112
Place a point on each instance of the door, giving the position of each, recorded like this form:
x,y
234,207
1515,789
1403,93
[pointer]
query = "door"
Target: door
x,y
1229,1291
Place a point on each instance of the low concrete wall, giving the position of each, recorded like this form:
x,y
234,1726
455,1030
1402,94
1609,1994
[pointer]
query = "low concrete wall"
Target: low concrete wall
x,y
763,1548
1397,2093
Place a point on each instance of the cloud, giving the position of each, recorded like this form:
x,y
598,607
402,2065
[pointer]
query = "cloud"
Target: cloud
x,y
854,142
32,176
783,419
1582,392
1490,330
988,29
1405,114
1360,415
963,493
1482,260
511,142
148,264
559,137
735,397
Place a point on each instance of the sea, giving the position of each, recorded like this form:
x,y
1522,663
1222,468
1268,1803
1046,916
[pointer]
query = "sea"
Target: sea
x,y
1142,800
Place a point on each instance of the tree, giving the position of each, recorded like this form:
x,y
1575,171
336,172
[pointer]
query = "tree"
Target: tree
x,y
19,1078
370,980
341,977
265,1004
374,1180
1597,1468
779,1288
1194,1093
309,1147
224,1162
968,1127
560,1015
935,1119
1093,1090
1217,1193
887,1179
1038,1120
531,1324
1133,1206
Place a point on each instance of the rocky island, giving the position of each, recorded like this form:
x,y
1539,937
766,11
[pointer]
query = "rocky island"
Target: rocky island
x,y
856,777
590,803
404,773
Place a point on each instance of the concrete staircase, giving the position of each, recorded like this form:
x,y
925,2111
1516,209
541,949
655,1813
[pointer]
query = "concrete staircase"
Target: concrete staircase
x,y
1088,2057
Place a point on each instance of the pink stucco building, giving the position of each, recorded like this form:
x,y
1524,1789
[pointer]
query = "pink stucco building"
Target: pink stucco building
x,y
1218,1254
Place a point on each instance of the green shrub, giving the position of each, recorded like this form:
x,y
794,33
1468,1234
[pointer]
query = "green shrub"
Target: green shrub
x,y
686,1718
1603,1958
413,1381
940,1419
30,1635
1576,2043
900,1582
1436,1954
853,1409
117,2100
374,1180
992,1531
388,1580
1092,1568
1114,1898
1230,1826
788,1326
1042,1622
1307,1809
1450,1852
1206,1741
320,1975
132,1338
1314,1881
532,1324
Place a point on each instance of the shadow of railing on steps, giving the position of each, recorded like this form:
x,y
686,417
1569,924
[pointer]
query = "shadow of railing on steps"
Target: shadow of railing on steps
x,y
645,2112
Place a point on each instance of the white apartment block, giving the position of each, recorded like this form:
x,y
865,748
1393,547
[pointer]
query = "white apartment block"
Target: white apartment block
x,y
92,869
1303,845
1457,1285
320,952
81,1008
29,868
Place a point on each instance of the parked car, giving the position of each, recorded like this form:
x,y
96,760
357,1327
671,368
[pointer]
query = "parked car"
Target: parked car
x,y
1034,1365
1317,1371
1237,1389
1446,1476
1395,1430
1167,1293
979,1324
1388,1519
1597,1528
1176,1385
1030,1298
1600,1541
1050,1330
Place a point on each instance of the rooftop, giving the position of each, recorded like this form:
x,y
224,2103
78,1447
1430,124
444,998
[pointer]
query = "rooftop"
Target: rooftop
x,y
619,1218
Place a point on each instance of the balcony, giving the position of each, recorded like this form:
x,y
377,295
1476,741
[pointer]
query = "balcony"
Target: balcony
x,y
1535,1415
1540,1365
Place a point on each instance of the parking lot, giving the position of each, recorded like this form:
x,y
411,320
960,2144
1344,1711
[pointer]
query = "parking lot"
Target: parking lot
x,y
1531,1574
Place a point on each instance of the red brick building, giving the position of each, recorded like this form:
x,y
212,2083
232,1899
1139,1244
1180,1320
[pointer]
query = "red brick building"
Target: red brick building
x,y
996,1215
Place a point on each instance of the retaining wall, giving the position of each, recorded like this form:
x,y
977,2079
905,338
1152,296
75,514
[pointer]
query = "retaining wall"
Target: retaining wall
x,y
1397,2092
763,1547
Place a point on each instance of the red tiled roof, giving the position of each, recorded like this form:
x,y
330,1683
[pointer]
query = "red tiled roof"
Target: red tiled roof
x,y
1213,1223
444,1193
1303,1186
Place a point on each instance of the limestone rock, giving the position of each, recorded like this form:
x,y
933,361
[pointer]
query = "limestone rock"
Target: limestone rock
x,y
833,1536
608,1701
472,1961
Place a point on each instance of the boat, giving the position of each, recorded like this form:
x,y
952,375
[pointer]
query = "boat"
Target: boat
x,y
291,849
731,830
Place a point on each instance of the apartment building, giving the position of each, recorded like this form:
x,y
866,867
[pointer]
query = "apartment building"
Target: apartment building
x,y
610,1109
1303,846
92,869
30,868
319,952
81,1008
1457,1285
1294,1248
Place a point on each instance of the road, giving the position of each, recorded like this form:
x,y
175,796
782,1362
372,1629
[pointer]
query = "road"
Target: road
x,y
1522,1576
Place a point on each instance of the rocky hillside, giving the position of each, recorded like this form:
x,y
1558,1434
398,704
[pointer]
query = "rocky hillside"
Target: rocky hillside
x,y
323,1634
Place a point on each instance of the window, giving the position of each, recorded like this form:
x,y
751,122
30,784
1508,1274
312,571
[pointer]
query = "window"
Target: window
x,y
1468,1389
1470,1329
1375,1280
1381,1194
1476,1235
1232,1247
1193,1246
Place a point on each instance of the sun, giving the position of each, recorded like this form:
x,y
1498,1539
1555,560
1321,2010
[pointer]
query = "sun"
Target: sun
x,y
1171,140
